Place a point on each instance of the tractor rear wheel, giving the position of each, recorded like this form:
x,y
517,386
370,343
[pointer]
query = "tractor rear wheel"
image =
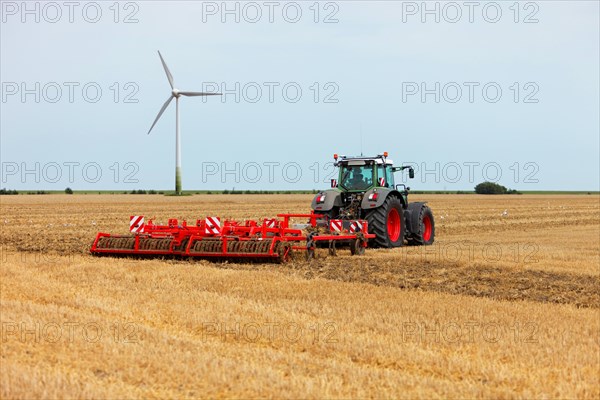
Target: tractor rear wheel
x,y
387,223
331,214
422,225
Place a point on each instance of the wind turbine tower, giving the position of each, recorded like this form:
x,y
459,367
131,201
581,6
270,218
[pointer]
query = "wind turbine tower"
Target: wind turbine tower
x,y
176,94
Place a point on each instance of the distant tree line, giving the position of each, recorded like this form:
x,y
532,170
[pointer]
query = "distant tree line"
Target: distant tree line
x,y
493,188
8,192
141,191
4,191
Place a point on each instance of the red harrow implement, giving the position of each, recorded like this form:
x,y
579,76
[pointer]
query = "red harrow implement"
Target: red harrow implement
x,y
271,239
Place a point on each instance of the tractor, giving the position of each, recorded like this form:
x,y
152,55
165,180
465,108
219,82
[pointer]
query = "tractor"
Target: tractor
x,y
365,189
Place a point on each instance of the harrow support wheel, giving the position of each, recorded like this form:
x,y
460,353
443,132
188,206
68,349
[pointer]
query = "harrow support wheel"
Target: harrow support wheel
x,y
332,250
356,247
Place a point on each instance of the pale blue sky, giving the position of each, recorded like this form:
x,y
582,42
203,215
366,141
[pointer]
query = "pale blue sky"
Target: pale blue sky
x,y
368,61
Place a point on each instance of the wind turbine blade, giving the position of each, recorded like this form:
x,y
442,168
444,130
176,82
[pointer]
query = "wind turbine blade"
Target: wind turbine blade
x,y
162,110
200,94
169,76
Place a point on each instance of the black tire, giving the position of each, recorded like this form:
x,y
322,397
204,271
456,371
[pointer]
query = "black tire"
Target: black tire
x,y
421,225
332,251
331,214
356,248
378,223
310,254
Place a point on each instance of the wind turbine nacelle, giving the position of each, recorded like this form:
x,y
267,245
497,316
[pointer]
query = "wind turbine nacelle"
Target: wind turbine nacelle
x,y
175,93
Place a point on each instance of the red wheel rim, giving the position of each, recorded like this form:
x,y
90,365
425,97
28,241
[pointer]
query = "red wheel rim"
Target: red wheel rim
x,y
426,228
393,225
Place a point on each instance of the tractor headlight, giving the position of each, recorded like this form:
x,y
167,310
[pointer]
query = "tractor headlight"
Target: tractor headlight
x,y
373,197
321,198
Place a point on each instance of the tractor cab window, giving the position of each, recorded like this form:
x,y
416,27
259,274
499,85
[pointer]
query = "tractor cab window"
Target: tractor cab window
x,y
357,177
385,176
381,176
390,176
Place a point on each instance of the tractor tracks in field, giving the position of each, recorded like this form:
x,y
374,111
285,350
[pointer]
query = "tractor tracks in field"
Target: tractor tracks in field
x,y
474,280
477,279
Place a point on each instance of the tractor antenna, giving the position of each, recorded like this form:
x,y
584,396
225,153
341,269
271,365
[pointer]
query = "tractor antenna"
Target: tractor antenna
x,y
360,129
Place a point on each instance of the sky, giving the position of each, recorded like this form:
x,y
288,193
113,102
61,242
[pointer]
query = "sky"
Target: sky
x,y
464,91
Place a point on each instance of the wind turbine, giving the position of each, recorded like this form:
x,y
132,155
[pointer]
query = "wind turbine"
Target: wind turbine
x,y
176,93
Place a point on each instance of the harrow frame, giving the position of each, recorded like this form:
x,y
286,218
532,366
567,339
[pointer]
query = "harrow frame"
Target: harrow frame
x,y
272,239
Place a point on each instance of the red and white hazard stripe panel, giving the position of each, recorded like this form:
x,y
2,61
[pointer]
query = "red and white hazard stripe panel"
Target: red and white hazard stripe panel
x,y
381,181
270,223
356,226
136,223
334,183
335,225
212,225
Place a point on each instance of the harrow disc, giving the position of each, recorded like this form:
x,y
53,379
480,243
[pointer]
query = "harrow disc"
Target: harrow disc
x,y
284,252
233,246
118,243
150,244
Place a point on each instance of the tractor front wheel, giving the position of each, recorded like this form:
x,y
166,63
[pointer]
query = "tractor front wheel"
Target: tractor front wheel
x,y
387,223
422,225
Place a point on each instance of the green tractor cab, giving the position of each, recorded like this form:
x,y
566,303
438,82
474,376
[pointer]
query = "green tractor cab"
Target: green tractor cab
x,y
365,189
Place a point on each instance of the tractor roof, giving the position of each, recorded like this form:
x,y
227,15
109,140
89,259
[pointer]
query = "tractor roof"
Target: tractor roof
x,y
379,159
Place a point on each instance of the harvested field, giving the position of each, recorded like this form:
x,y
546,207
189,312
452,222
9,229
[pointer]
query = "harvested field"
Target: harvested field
x,y
506,303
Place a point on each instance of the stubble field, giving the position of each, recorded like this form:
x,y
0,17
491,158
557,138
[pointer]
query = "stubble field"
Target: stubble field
x,y
506,303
